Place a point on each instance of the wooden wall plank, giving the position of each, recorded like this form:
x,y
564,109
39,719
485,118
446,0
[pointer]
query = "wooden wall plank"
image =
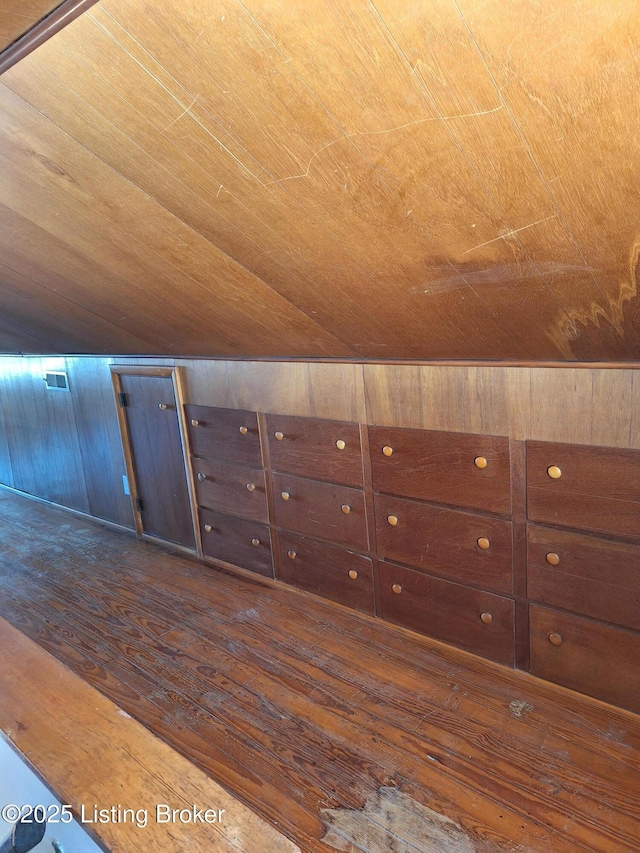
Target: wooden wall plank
x,y
17,16
99,439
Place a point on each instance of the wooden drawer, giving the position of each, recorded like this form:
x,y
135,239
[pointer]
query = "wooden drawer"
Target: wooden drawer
x,y
445,542
324,450
237,541
316,509
598,487
593,576
449,612
592,658
441,467
229,434
340,575
237,489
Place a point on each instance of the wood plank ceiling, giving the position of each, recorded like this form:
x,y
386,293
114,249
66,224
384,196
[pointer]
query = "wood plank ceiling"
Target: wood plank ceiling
x,y
18,16
382,179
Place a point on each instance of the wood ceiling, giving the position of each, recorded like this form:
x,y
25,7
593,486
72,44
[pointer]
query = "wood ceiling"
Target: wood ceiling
x,y
386,179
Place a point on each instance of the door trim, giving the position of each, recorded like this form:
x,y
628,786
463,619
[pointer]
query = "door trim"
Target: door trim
x,y
176,374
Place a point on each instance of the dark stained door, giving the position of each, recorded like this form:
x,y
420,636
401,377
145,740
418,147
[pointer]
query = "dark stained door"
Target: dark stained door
x,y
158,462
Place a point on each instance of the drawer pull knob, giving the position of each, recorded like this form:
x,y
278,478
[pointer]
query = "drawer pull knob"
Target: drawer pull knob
x,y
285,496
340,444
480,462
251,487
201,476
346,509
195,423
291,555
243,430
388,451
392,520
555,639
279,436
397,588
353,574
207,528
255,542
487,618
163,407
552,559
483,543
554,472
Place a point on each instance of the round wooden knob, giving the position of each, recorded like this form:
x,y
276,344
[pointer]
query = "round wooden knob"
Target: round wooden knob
x,y
195,423
285,496
554,472
392,520
340,444
552,559
346,509
208,528
480,462
353,574
279,436
251,487
397,588
483,543
201,476
388,451
291,555
487,618
555,639
255,542
243,430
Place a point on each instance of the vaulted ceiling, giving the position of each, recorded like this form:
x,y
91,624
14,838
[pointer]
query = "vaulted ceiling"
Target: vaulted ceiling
x,y
356,178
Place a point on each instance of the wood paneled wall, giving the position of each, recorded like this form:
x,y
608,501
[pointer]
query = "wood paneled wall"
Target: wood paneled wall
x,y
65,447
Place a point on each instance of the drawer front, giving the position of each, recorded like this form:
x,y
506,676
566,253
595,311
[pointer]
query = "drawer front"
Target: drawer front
x,y
224,434
237,489
321,510
479,622
598,488
324,450
587,575
237,541
592,658
340,575
442,467
445,542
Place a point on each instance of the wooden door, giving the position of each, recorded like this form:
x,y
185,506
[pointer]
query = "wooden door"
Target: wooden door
x,y
158,462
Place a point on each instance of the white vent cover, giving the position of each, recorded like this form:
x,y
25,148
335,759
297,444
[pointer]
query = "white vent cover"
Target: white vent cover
x,y
57,380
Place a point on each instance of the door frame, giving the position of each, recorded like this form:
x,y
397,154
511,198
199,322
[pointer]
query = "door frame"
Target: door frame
x,y
176,374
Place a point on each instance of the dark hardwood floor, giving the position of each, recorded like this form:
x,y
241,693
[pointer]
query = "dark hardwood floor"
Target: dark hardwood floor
x,y
345,733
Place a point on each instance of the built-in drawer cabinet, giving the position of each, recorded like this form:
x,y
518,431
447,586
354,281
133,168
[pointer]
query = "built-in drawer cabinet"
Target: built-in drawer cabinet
x,y
443,467
585,655
342,576
319,449
477,621
238,541
236,489
593,488
586,574
229,434
322,510
462,546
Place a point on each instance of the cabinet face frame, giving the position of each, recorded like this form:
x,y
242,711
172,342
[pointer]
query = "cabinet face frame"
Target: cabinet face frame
x,y
176,374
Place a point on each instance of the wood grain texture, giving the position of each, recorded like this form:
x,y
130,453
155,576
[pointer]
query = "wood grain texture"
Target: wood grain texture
x,y
593,657
511,760
232,488
233,540
17,16
594,577
444,542
129,764
350,180
224,434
